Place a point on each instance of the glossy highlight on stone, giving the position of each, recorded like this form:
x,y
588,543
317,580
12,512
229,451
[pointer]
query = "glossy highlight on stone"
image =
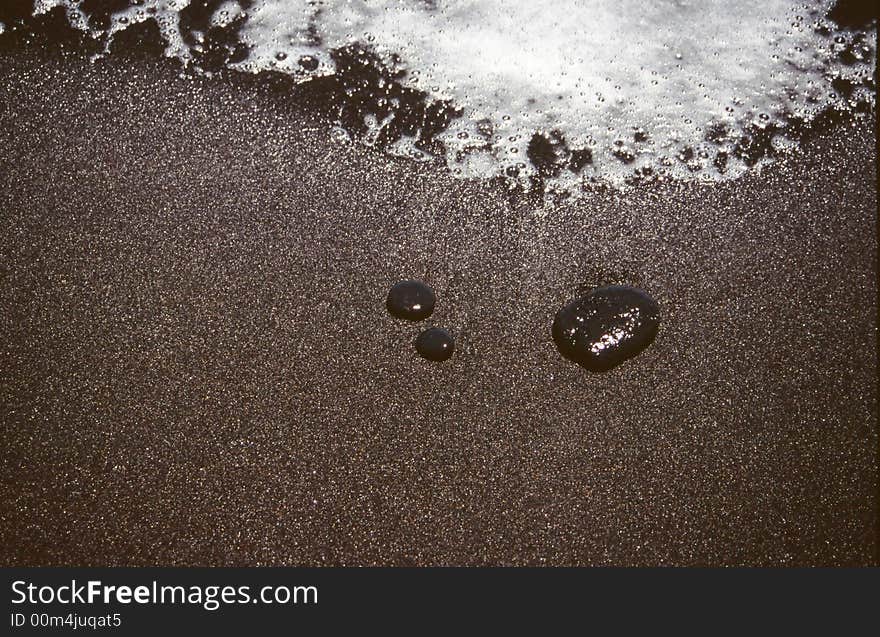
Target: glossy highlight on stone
x,y
606,327
435,344
410,300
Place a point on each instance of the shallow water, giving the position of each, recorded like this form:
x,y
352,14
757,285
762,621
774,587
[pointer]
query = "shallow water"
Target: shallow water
x,y
565,92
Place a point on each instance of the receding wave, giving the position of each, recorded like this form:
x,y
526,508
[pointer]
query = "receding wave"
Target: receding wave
x,y
562,91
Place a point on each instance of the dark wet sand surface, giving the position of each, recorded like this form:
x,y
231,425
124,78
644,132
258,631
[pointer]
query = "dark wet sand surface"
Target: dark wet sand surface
x,y
198,367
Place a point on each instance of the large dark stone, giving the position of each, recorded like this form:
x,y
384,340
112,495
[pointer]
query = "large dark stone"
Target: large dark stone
x,y
606,327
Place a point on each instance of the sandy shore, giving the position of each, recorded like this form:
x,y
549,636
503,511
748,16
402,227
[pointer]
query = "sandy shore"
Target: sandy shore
x,y
197,366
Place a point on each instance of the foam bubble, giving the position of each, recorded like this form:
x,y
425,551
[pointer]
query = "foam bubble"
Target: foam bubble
x,y
566,90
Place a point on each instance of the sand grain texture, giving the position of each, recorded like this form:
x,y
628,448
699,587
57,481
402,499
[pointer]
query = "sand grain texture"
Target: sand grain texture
x,y
198,368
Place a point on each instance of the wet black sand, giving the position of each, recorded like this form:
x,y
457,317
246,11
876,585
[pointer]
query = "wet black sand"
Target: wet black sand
x,y
198,368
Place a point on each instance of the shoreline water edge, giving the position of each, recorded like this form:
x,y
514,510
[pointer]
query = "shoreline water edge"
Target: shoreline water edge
x,y
200,369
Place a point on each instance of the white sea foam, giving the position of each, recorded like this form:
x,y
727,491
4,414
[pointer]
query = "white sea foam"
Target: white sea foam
x,y
593,70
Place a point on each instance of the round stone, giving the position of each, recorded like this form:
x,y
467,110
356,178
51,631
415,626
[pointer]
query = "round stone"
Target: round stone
x,y
308,62
410,300
606,327
435,344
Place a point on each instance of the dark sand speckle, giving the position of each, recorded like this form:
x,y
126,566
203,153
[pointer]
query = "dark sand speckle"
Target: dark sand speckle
x,y
198,368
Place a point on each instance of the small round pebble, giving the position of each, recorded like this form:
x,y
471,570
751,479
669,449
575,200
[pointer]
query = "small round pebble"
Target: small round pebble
x,y
308,62
435,344
411,300
606,327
